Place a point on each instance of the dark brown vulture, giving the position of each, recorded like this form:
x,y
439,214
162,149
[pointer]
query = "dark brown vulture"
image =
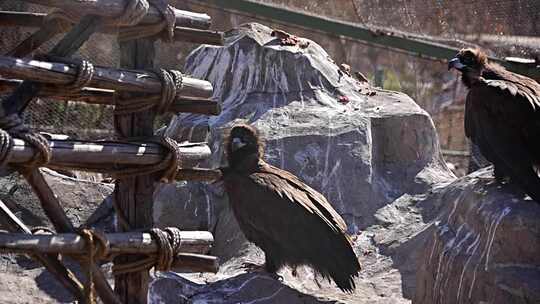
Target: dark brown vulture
x,y
502,117
292,223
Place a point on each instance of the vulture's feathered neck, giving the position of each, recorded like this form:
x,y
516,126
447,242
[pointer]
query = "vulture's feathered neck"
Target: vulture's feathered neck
x,y
486,71
244,161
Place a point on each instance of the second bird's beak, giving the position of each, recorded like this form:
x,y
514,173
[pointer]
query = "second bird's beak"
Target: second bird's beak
x,y
456,64
237,143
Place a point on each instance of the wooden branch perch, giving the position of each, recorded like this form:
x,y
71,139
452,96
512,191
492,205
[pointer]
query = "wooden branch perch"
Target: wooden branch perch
x,y
105,78
190,262
115,8
181,32
119,243
97,155
106,97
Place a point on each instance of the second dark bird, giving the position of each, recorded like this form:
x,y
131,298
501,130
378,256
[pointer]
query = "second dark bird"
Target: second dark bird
x,y
292,223
502,117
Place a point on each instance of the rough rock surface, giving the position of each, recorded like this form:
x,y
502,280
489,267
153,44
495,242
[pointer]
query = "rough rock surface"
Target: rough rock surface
x,y
21,279
372,153
483,247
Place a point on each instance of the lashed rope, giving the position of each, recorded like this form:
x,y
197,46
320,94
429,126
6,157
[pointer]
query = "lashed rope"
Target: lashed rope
x,y
168,247
97,247
133,14
171,83
85,73
13,125
167,167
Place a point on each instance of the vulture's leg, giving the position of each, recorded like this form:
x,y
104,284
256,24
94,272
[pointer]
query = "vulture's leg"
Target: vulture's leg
x,y
500,173
529,182
269,265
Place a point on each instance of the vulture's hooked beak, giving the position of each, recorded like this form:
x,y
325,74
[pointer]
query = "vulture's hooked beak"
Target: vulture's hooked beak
x,y
456,64
237,143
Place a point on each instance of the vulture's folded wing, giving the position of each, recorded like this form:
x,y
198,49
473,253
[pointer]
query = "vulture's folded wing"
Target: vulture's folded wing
x,y
288,186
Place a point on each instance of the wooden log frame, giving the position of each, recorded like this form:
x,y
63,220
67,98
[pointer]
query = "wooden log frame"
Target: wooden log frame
x,y
115,8
16,103
119,243
133,195
138,81
106,97
182,32
97,155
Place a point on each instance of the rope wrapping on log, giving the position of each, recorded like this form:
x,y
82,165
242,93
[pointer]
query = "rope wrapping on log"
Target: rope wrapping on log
x,y
98,249
85,73
168,166
169,242
171,83
133,14
13,125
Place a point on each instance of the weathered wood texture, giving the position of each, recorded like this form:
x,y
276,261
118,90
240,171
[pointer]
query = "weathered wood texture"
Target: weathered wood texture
x,y
106,78
96,156
134,195
192,262
50,261
108,152
181,33
115,8
119,243
106,97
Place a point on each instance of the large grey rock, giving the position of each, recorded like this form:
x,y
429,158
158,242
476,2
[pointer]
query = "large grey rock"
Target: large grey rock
x,y
372,157
482,247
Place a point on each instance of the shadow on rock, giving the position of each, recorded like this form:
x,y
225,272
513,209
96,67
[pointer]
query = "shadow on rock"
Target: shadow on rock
x,y
244,288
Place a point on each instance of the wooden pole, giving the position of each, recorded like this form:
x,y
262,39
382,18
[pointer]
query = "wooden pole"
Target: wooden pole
x,y
106,97
108,153
17,102
119,243
115,8
134,195
106,78
181,33
102,156
50,261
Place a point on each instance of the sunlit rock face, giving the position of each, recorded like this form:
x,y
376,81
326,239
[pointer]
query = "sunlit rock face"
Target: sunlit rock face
x,y
371,152
483,247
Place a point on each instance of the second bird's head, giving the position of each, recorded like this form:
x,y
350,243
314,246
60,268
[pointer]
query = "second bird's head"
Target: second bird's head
x,y
243,141
470,62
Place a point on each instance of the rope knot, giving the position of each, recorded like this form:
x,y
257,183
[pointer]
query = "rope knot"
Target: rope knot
x,y
168,247
13,125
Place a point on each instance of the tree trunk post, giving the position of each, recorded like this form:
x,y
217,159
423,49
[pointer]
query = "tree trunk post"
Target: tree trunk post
x,y
134,195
